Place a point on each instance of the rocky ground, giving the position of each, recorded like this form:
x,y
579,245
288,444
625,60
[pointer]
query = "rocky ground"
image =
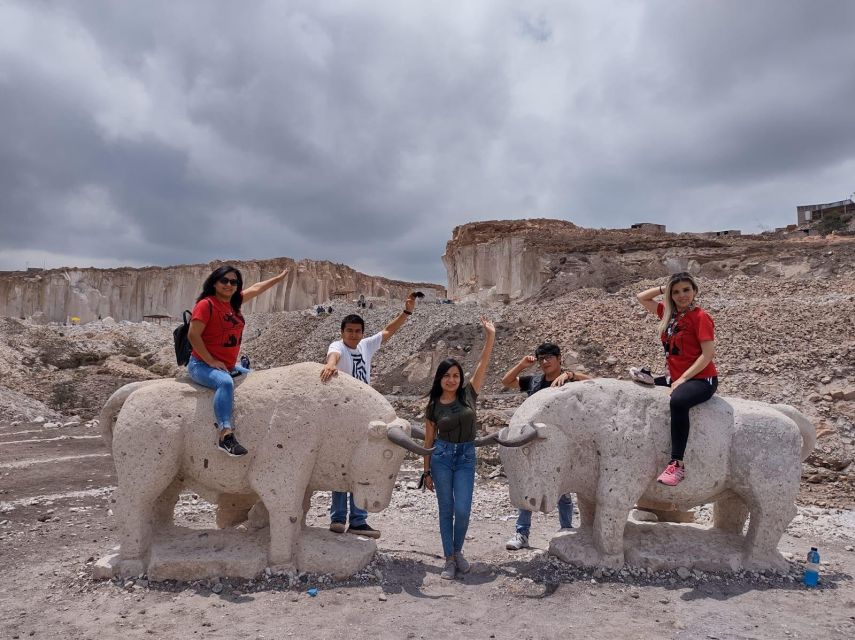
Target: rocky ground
x,y
55,521
779,339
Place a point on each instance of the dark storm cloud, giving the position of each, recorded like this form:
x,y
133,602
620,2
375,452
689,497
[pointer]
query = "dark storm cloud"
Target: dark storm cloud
x,y
139,133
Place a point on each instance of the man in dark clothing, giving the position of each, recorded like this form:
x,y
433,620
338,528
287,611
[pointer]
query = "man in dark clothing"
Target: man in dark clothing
x,y
548,357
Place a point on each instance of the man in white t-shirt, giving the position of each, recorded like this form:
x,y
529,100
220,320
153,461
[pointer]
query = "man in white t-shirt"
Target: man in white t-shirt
x,y
352,355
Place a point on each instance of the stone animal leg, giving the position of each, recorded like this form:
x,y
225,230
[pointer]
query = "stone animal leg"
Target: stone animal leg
x,y
284,502
135,504
234,508
767,523
772,506
164,506
730,513
617,493
587,509
307,504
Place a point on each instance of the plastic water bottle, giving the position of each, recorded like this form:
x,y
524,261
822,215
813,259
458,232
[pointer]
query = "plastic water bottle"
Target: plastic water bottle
x,y
811,578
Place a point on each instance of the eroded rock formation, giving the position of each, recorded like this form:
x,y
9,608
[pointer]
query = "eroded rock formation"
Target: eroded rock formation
x,y
131,294
516,259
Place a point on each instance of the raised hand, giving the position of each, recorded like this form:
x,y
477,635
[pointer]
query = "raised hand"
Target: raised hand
x,y
489,327
410,303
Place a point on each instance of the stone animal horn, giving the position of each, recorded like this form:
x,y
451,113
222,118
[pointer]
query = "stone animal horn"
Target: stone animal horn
x,y
488,439
400,438
528,434
418,431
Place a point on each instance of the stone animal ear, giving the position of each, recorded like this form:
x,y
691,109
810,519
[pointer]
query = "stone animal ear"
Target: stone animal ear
x,y
377,429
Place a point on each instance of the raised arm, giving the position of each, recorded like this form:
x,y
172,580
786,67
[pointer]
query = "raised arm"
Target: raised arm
x,y
512,375
398,322
481,370
646,298
260,287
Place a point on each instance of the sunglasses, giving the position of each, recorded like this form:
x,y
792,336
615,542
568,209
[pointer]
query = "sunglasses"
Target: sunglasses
x,y
546,358
230,281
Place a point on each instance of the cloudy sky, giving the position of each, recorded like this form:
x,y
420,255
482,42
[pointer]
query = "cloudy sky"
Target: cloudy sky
x,y
165,132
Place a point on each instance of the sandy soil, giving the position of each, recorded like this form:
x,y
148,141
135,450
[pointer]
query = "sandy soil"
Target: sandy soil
x,y
55,521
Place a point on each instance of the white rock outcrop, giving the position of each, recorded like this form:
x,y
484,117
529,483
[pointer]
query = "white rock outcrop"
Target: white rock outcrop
x,y
130,294
606,440
302,435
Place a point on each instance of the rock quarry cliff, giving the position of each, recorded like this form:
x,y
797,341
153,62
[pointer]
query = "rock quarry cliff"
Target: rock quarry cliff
x,y
503,260
130,294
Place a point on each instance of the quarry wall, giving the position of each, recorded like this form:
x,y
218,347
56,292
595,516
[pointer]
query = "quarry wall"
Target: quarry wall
x,y
129,294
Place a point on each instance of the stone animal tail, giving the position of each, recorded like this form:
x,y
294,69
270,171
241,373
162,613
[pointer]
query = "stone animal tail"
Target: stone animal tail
x,y
806,427
107,418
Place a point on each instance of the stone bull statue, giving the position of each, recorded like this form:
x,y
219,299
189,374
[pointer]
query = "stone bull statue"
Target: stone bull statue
x,y
607,439
302,435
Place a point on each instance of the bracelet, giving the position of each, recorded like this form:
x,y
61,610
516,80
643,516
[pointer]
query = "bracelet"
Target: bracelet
x,y
660,289
407,313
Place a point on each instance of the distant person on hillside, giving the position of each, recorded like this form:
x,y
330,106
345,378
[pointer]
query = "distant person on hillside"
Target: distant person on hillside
x,y
450,469
551,374
687,333
216,329
352,355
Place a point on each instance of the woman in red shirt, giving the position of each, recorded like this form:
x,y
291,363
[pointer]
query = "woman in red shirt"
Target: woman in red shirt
x,y
216,329
688,337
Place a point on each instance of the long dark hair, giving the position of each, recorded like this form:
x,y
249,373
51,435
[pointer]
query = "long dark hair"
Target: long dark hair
x,y
436,387
208,286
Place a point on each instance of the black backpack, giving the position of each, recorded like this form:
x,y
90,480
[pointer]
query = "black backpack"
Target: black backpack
x,y
182,342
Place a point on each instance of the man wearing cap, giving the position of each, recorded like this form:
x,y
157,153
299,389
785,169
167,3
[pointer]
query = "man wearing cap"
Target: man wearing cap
x,y
548,357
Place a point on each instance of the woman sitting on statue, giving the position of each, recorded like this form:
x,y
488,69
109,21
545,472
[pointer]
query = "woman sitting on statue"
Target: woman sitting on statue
x,y
216,329
687,333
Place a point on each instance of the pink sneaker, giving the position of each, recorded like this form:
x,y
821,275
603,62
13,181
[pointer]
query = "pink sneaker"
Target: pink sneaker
x,y
673,475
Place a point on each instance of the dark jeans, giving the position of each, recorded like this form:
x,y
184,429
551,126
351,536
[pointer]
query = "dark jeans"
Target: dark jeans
x,y
689,394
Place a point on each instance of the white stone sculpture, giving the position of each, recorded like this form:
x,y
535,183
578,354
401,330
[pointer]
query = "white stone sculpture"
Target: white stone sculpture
x,y
302,435
606,440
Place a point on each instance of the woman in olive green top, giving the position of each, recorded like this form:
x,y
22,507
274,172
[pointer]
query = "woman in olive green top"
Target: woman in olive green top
x,y
450,470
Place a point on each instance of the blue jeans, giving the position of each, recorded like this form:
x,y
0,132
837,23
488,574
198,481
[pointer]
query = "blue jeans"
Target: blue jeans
x,y
452,467
565,515
224,385
338,509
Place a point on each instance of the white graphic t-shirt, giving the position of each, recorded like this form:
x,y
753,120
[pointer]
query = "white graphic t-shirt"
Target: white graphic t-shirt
x,y
357,362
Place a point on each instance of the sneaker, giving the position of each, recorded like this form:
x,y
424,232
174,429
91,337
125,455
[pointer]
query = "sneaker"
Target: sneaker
x,y
231,446
673,474
449,570
642,375
338,527
364,530
517,542
462,563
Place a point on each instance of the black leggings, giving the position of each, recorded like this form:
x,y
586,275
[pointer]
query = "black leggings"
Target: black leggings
x,y
689,394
